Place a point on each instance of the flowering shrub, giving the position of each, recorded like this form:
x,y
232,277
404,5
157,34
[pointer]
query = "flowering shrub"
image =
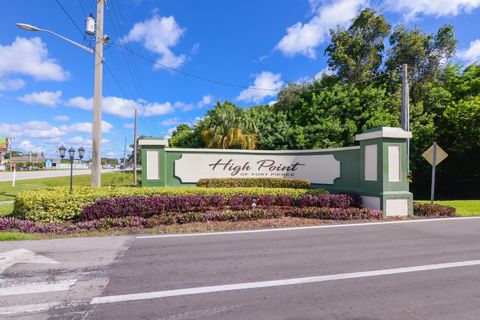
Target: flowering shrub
x,y
432,210
253,182
58,204
137,222
335,213
328,200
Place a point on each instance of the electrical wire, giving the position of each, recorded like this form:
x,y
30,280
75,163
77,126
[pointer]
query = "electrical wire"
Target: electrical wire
x,y
70,17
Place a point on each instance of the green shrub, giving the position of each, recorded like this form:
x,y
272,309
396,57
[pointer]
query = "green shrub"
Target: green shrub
x,y
57,204
253,182
432,210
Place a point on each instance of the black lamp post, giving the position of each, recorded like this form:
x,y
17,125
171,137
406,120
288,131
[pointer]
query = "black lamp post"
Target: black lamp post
x,y
71,154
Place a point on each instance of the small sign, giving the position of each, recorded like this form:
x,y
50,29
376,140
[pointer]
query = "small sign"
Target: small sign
x,y
439,157
48,164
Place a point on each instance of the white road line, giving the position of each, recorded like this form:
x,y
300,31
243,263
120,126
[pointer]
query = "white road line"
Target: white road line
x,y
347,225
277,283
10,258
28,308
37,287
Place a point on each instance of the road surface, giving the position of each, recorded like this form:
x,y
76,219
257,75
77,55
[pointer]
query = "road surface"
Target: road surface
x,y
406,270
27,175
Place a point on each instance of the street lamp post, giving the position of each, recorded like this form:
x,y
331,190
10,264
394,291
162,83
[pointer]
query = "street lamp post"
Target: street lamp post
x,y
71,154
100,40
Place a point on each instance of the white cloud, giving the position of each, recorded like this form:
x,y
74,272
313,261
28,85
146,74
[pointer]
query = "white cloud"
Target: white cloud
x,y
125,108
321,73
206,100
31,129
85,127
27,57
157,109
11,84
46,98
128,126
159,35
472,53
170,122
264,80
437,8
28,146
304,38
61,118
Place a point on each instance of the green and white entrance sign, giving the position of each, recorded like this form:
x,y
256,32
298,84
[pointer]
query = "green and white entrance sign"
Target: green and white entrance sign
x,y
376,169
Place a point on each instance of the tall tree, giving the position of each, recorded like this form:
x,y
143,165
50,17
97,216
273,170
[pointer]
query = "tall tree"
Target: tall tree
x,y
227,126
356,53
423,53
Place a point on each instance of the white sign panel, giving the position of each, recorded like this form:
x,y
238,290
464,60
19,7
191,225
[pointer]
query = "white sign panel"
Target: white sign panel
x,y
322,169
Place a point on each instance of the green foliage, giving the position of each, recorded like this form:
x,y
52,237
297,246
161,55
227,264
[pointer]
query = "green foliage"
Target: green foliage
x,y
253,183
57,204
185,136
356,53
229,127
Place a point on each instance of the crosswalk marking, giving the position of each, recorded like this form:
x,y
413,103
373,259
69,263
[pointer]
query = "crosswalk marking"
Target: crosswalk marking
x,y
38,287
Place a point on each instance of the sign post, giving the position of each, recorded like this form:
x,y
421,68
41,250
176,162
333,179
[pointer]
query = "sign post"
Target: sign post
x,y
434,155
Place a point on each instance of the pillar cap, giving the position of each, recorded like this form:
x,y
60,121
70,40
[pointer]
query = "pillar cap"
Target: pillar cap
x,y
384,132
153,142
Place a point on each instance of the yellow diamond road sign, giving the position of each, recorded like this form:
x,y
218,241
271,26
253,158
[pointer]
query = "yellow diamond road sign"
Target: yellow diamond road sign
x,y
439,157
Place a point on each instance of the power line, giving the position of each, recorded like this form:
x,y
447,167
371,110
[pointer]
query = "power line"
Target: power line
x,y
191,75
70,17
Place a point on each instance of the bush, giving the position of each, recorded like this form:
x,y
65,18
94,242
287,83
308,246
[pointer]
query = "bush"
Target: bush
x,y
57,204
335,213
187,217
253,183
432,210
328,200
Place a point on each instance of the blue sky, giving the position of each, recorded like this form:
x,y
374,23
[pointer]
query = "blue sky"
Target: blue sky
x,y
46,84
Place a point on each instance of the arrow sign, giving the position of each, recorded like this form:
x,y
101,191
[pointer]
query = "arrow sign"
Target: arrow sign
x,y
9,258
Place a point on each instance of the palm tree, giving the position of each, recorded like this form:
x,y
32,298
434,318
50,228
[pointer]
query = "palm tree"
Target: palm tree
x,y
227,126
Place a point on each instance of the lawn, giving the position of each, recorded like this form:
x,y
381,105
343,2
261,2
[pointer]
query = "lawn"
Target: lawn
x,y
6,209
7,192
464,208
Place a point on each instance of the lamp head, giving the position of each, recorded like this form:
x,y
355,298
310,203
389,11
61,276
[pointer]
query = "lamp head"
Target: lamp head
x,y
71,153
62,151
27,27
81,152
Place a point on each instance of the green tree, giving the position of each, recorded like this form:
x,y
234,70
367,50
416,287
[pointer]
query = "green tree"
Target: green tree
x,y
227,126
356,53
423,53
185,136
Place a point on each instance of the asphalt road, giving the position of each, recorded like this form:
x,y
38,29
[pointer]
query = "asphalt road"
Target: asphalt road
x,y
27,175
414,270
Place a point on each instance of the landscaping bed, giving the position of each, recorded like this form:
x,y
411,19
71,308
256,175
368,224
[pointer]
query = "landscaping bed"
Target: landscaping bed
x,y
107,210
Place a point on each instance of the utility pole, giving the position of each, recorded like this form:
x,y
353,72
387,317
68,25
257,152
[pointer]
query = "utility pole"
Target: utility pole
x,y
125,153
135,149
405,112
10,143
97,99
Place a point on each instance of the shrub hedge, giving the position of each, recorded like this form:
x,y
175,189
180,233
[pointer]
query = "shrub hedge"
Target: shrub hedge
x,y
149,206
14,224
57,204
432,210
253,183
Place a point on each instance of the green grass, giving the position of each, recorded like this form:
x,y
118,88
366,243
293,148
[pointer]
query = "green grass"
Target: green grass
x,y
10,236
6,209
465,208
7,192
